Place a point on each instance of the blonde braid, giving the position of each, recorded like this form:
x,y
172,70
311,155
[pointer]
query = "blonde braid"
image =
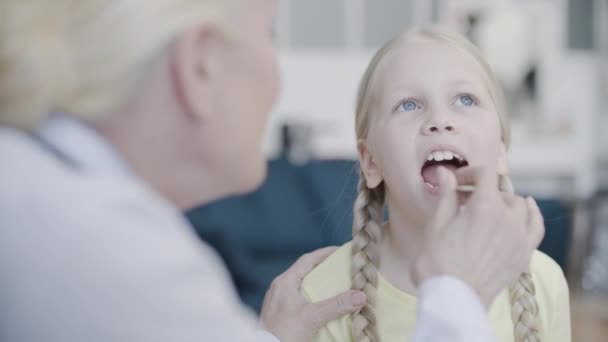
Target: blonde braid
x,y
524,308
367,232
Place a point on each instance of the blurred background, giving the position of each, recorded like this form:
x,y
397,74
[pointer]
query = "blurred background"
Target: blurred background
x,y
551,57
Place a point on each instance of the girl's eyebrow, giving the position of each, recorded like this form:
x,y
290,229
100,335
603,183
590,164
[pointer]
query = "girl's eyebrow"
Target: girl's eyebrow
x,y
402,86
398,89
459,83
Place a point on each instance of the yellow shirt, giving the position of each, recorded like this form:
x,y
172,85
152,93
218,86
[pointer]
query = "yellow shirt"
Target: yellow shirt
x,y
396,310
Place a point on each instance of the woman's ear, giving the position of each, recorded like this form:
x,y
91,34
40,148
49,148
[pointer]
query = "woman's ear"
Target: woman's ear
x,y
196,66
503,161
369,167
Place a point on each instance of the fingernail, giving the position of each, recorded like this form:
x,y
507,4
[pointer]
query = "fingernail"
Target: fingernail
x,y
358,298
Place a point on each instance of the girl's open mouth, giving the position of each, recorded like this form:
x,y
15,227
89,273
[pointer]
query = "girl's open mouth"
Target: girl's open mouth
x,y
446,158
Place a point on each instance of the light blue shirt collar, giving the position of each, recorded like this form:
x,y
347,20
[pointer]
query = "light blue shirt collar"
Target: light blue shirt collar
x,y
82,145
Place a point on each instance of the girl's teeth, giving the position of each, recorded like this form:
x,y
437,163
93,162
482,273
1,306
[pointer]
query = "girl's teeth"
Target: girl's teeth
x,y
443,155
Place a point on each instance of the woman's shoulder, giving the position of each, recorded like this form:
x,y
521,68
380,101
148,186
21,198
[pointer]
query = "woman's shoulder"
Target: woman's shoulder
x,y
330,277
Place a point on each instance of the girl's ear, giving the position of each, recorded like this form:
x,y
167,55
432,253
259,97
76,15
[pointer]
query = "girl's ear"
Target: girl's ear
x,y
371,170
503,161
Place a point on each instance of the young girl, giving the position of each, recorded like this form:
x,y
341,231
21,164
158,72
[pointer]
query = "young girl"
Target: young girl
x,y
427,99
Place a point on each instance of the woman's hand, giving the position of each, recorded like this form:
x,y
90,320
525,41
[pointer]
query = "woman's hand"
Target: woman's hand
x,y
286,313
487,242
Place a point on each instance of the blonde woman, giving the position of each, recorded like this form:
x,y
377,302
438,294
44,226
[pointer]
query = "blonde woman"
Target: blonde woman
x,y
158,106
116,114
428,103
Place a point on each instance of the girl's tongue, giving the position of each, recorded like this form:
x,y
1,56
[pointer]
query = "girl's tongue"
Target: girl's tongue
x,y
430,175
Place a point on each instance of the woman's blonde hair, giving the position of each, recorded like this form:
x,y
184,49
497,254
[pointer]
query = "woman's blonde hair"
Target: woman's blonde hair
x,y
369,205
85,57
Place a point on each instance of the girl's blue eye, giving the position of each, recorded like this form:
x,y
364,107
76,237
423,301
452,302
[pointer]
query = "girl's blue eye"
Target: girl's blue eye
x,y
407,106
465,100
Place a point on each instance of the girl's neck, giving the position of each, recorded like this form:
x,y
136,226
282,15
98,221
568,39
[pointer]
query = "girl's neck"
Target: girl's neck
x,y
399,246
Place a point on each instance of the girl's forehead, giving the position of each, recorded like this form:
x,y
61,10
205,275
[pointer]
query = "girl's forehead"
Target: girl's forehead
x,y
416,60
